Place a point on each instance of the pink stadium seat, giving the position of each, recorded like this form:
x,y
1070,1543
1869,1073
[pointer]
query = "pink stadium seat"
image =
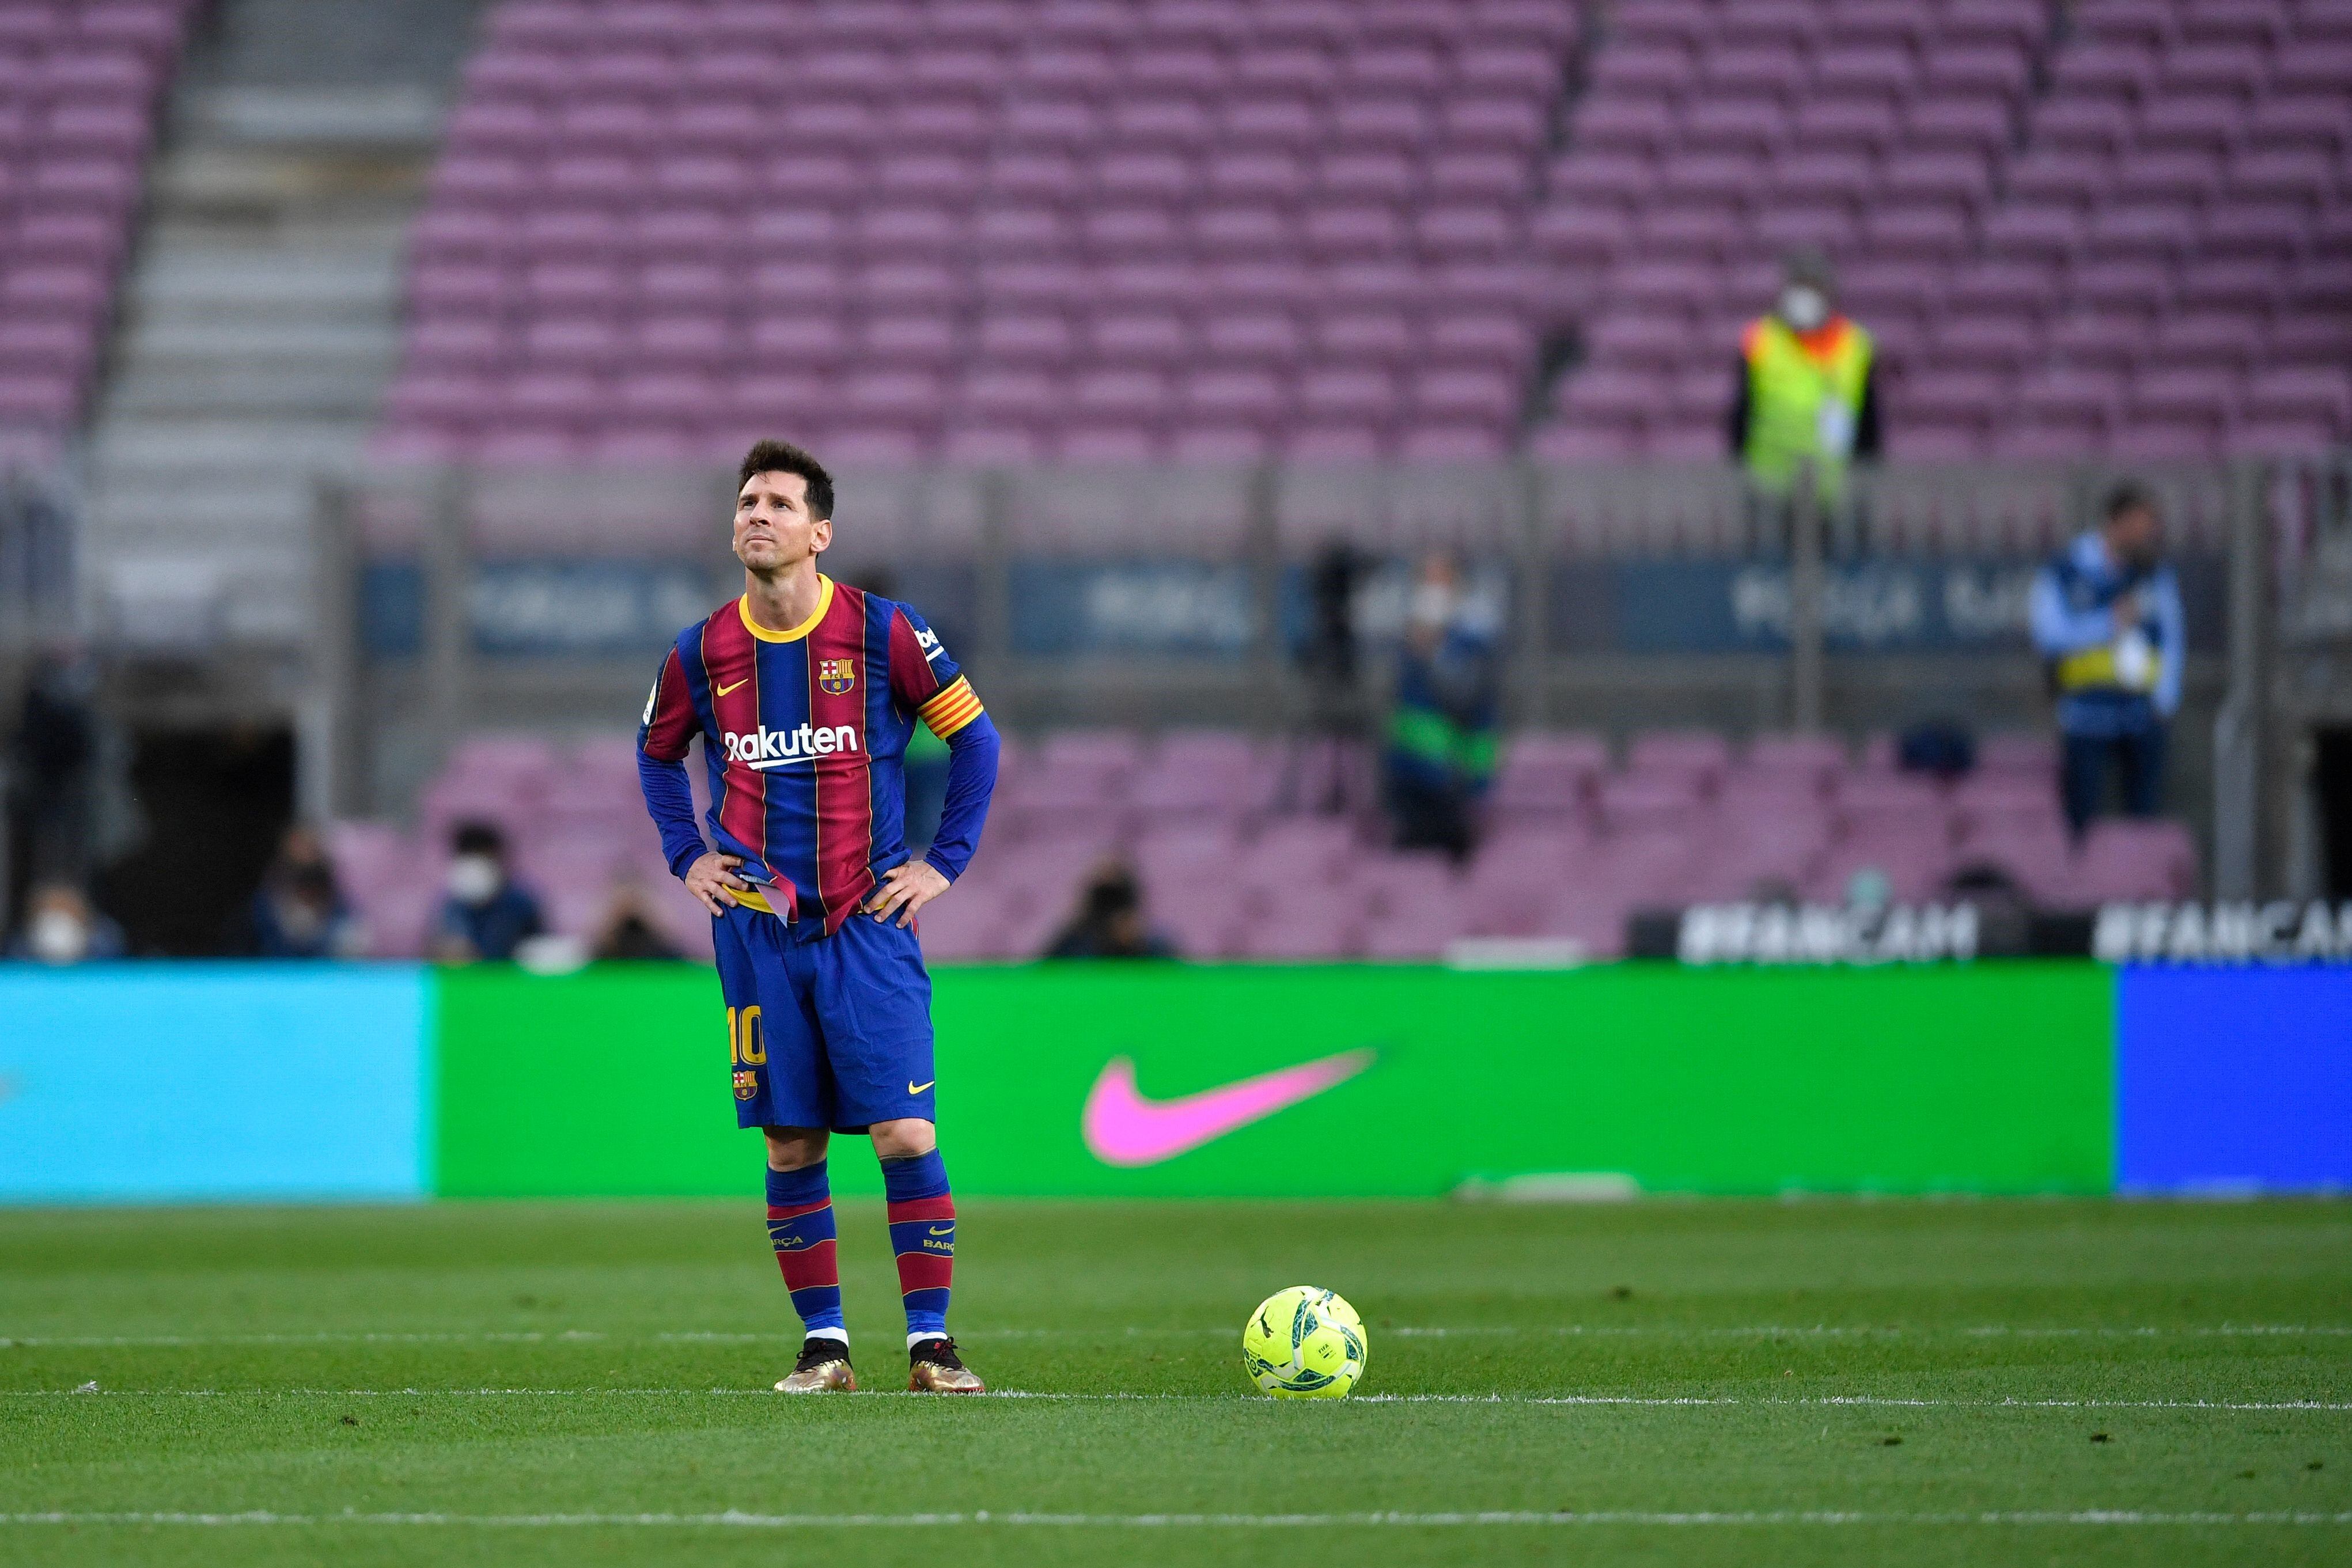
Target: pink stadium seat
x,y
1811,761
1277,159
1912,862
2121,859
1701,755
1874,803
2018,752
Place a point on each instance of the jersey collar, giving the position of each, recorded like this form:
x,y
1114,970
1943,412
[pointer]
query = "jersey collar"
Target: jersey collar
x,y
823,602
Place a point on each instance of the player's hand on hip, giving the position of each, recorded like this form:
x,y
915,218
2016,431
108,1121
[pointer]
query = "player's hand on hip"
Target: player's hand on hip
x,y
712,880
903,889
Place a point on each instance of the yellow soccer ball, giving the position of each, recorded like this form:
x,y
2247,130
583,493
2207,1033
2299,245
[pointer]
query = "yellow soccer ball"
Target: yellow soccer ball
x,y
1305,1343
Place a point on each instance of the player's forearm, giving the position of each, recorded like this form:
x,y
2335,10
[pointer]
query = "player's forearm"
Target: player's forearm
x,y
971,779
669,800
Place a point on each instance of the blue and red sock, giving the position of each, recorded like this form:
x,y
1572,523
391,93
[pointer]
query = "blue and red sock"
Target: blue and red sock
x,y
922,1232
800,1227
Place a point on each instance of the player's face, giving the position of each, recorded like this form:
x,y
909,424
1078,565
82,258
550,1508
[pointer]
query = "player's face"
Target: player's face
x,y
773,530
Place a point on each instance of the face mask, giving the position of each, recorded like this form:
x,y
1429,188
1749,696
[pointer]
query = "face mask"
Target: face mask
x,y
57,936
474,878
1433,605
302,921
1803,307
1868,889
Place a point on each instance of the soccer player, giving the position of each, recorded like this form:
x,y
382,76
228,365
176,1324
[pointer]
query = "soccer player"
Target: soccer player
x,y
804,691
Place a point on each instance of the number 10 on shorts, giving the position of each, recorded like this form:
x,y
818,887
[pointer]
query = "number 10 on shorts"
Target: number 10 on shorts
x,y
747,1044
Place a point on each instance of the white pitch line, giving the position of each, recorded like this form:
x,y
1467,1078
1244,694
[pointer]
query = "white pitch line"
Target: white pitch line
x,y
88,1341
1649,1402
1567,1331
732,1519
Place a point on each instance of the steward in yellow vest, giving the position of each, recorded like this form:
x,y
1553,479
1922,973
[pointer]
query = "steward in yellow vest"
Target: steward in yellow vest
x,y
1807,389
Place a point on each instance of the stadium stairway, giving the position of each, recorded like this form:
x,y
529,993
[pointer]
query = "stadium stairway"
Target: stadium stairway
x,y
261,321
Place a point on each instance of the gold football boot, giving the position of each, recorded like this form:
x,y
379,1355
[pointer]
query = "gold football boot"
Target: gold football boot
x,y
933,1367
823,1368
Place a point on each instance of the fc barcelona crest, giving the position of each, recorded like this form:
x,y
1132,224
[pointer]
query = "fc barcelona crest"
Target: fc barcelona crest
x,y
747,1084
836,675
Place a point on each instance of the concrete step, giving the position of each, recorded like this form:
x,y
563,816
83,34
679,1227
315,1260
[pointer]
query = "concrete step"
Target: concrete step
x,y
152,448
359,43
269,280
376,230
256,510
258,392
307,117
266,336
219,181
171,346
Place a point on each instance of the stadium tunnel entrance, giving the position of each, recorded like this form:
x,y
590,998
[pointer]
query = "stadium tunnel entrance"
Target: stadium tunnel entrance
x,y
212,802
2331,792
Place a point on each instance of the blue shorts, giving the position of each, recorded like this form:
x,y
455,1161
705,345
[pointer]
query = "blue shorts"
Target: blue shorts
x,y
825,1031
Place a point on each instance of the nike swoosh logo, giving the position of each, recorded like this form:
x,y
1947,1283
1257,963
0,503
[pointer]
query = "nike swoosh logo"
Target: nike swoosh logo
x,y
737,687
942,1230
1122,1128
914,1088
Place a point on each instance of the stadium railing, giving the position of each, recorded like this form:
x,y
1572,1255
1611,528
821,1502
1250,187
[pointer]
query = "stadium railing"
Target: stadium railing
x,y
1631,598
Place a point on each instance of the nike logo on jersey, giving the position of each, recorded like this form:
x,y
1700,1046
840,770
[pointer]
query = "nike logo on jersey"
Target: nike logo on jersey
x,y
942,1230
1122,1128
914,1088
737,687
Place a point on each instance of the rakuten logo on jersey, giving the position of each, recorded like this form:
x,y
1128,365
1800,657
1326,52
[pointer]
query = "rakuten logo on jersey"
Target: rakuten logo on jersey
x,y
765,748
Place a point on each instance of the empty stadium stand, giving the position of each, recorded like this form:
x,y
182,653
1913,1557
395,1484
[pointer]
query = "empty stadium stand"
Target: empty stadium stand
x,y
980,231
1073,230
2114,226
80,86
1232,866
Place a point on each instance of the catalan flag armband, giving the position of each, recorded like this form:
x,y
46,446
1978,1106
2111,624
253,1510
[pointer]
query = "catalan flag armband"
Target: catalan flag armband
x,y
951,708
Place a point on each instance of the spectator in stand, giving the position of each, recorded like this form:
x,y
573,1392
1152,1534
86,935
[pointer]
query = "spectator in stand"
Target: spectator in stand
x,y
1441,731
486,914
1805,390
53,766
2106,618
299,910
1109,922
1329,771
62,928
630,928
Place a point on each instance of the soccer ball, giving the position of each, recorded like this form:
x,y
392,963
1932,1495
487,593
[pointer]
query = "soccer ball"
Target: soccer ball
x,y
1304,1343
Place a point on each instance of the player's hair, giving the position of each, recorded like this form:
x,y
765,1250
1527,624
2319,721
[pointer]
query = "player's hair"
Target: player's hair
x,y
2126,495
783,457
478,838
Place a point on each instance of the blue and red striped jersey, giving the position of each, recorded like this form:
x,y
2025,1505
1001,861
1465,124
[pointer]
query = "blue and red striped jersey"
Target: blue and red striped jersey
x,y
804,732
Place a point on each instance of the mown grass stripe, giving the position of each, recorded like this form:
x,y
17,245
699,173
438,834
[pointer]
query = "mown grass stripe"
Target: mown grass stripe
x,y
1667,1331
732,1519
1634,1401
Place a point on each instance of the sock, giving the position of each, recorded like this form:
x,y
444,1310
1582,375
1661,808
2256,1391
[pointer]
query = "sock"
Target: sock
x,y
922,1232
800,1226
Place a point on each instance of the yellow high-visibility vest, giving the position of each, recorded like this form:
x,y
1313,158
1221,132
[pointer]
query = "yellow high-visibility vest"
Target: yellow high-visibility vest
x,y
1805,405
2126,665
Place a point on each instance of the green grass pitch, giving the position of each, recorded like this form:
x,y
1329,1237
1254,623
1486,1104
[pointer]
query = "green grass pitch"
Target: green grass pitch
x,y
1711,1383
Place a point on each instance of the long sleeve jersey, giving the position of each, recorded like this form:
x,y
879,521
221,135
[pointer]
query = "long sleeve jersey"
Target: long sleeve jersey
x,y
804,732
